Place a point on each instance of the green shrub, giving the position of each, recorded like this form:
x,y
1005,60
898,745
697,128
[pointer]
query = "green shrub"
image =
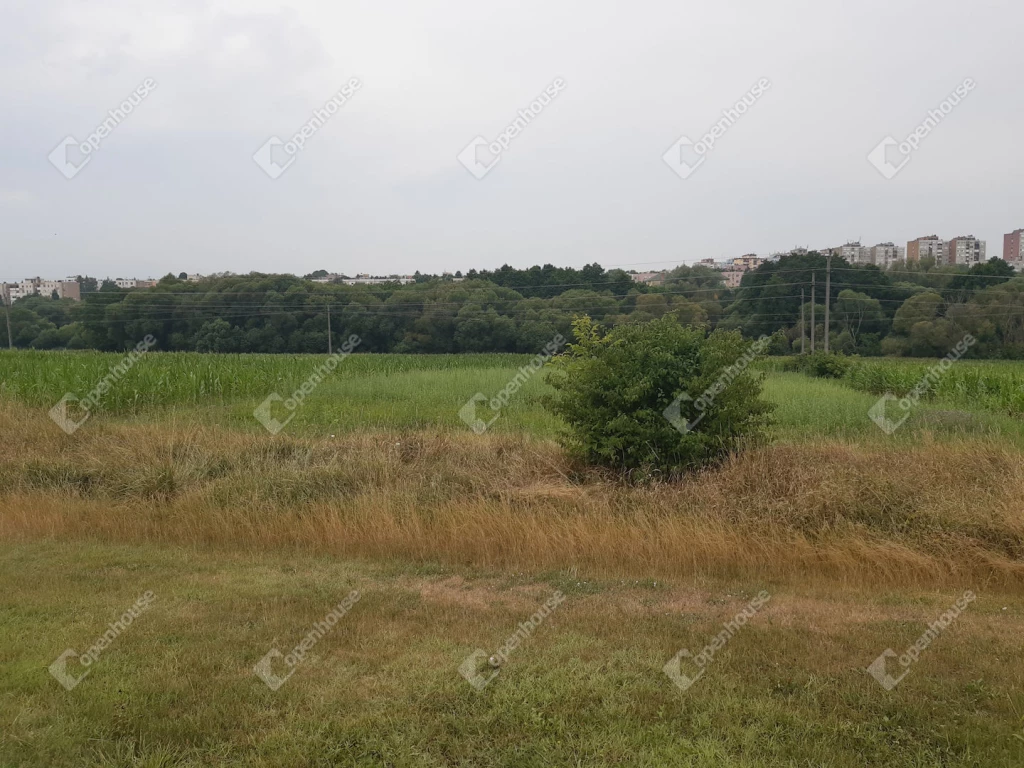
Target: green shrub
x,y
827,365
820,365
657,395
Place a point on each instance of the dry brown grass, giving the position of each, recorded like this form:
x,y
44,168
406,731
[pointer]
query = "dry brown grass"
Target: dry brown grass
x,y
937,514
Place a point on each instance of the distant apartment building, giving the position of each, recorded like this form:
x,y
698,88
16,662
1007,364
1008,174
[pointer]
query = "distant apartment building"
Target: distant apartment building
x,y
853,252
126,283
37,286
930,246
965,250
712,264
367,280
733,277
886,254
1013,248
65,289
800,251
748,261
650,278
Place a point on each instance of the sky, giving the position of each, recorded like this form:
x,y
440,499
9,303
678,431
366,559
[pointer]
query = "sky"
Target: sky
x,y
186,181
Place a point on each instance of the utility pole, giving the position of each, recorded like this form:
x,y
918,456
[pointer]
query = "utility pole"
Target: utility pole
x,y
330,351
828,294
7,311
812,312
803,327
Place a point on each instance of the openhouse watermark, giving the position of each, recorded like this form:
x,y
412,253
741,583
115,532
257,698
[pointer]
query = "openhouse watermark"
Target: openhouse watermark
x,y
674,667
889,156
59,668
879,411
62,414
685,155
60,156
264,412
277,155
480,156
479,668
264,667
877,668
674,410
468,412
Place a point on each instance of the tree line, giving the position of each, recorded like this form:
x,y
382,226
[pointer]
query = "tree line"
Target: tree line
x,y
911,309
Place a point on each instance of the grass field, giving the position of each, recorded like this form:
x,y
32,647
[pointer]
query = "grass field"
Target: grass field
x,y
587,688
860,538
427,392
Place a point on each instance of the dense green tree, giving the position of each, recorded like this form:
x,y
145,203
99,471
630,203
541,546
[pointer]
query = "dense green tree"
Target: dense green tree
x,y
922,307
857,312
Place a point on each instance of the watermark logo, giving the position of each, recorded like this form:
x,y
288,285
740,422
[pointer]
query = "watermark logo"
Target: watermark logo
x,y
60,156
470,412
264,411
72,411
673,668
59,668
264,668
878,668
685,156
474,667
69,414
890,156
480,668
277,155
480,156
674,411
880,411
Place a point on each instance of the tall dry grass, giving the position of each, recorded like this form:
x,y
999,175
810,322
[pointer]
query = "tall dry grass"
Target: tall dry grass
x,y
939,513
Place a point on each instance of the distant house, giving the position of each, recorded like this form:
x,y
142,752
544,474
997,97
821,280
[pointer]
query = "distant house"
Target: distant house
x,y
650,278
368,280
733,277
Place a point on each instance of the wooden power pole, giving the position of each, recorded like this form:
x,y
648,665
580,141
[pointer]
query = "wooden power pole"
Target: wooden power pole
x,y
828,294
812,313
803,326
330,351
7,311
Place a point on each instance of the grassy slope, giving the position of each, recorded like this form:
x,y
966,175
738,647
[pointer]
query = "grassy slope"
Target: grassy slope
x,y
934,513
586,688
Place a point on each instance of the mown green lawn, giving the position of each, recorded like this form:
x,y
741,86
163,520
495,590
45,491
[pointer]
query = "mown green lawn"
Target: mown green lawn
x,y
586,688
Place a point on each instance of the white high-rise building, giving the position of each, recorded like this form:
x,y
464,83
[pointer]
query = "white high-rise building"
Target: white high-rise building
x,y
886,254
855,253
927,247
966,250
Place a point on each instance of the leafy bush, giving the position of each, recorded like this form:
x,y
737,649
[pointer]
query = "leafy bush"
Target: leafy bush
x,y
820,365
828,366
612,391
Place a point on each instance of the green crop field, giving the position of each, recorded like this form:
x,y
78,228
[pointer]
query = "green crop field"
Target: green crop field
x,y
427,391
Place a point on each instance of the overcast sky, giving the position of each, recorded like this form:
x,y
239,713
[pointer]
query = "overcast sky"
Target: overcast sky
x,y
379,187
